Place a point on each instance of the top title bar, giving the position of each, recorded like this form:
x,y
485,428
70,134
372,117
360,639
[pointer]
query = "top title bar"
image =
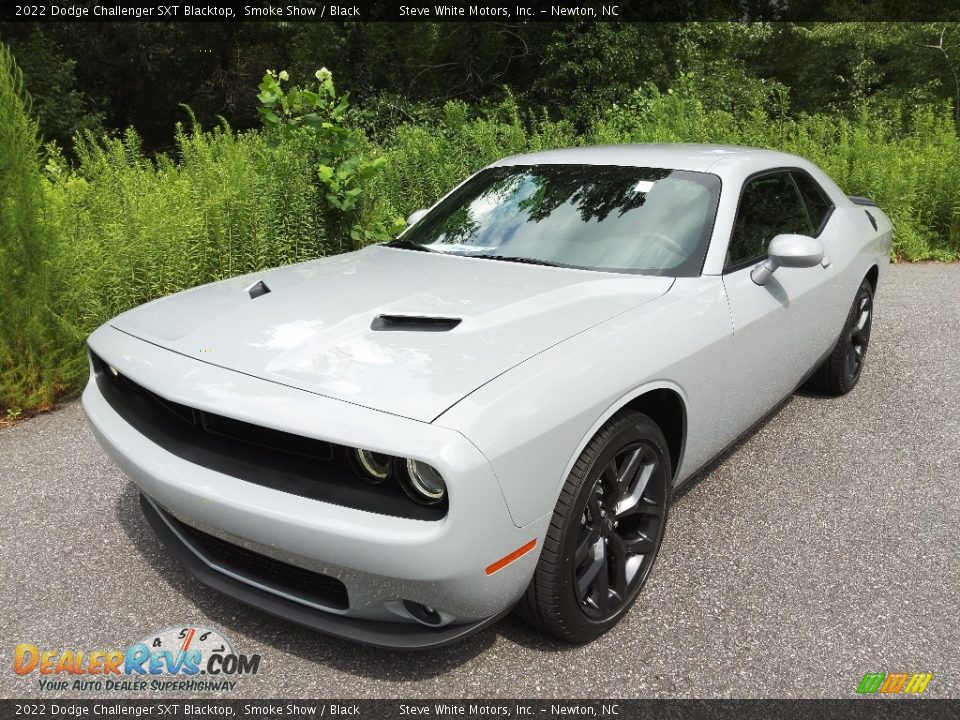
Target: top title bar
x,y
512,11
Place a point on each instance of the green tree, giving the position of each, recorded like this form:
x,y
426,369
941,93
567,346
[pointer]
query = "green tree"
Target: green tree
x,y
28,328
49,77
846,68
585,67
717,62
944,40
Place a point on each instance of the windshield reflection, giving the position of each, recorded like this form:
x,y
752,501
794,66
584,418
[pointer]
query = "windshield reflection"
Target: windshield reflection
x,y
600,217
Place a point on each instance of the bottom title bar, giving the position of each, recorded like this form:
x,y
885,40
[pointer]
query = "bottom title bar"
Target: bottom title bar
x,y
442,709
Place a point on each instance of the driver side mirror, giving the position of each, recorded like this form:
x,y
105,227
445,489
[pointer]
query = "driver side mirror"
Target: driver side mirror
x,y
788,250
415,216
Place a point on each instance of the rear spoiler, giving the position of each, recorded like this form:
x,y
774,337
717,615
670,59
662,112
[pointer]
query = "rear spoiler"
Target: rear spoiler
x,y
860,200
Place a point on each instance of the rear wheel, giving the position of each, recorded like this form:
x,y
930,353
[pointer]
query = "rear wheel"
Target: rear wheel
x,y
841,370
605,533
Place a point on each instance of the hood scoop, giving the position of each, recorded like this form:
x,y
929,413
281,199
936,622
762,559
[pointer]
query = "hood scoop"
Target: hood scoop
x,y
257,289
414,323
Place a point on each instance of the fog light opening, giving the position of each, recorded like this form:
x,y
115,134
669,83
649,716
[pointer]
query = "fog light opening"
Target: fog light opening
x,y
422,613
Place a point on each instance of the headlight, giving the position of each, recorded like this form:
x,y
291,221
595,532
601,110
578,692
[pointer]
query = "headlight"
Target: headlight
x,y
373,467
423,483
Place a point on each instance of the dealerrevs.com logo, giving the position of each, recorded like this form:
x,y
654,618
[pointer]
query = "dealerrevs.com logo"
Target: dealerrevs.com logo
x,y
183,659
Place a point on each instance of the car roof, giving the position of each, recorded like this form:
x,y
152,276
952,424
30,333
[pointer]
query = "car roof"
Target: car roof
x,y
672,156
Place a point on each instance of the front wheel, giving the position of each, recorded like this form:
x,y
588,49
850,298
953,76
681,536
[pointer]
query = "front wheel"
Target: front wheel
x,y
605,533
841,370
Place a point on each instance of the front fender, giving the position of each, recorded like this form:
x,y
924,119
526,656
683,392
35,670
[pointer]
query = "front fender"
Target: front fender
x,y
533,422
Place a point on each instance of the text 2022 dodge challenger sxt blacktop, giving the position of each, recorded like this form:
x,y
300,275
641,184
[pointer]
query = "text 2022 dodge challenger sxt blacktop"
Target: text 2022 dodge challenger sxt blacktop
x,y
400,444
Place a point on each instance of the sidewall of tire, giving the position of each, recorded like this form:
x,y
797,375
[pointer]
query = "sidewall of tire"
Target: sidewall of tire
x,y
557,609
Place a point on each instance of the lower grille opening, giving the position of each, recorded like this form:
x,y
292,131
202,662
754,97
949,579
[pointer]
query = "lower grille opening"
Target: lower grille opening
x,y
313,586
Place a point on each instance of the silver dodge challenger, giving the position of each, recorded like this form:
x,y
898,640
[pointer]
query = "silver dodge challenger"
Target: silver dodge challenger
x,y
401,444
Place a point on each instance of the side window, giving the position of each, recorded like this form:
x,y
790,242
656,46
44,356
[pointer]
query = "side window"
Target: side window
x,y
818,205
769,206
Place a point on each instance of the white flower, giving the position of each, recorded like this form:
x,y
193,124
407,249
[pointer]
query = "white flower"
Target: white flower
x,y
323,74
284,75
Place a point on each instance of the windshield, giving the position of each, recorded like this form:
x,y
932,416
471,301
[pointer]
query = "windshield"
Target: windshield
x,y
598,217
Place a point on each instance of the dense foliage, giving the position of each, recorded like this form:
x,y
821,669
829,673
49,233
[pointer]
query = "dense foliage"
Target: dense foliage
x,y
118,75
102,222
32,344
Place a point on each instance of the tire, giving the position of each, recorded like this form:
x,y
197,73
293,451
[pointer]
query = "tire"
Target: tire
x,y
605,533
840,372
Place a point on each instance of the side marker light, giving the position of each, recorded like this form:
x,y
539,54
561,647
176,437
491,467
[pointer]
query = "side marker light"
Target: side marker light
x,y
516,554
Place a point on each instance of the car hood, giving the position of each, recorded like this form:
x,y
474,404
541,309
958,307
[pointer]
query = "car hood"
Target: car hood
x,y
315,329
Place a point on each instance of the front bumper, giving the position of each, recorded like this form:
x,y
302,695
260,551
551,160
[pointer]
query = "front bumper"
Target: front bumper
x,y
395,635
382,560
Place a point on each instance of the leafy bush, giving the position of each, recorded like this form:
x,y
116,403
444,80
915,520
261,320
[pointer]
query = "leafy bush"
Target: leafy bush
x,y
31,338
313,119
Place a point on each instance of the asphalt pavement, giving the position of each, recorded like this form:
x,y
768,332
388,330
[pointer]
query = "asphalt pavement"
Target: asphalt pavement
x,y
825,545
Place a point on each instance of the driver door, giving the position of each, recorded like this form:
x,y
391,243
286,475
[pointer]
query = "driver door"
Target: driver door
x,y
779,331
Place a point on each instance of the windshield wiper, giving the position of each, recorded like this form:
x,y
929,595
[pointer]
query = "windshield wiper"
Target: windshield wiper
x,y
524,260
408,245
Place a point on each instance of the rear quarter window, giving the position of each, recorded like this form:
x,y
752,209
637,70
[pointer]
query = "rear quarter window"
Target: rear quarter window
x,y
818,204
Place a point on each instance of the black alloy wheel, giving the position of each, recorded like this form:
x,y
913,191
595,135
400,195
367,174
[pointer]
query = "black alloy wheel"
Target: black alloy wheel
x,y
859,336
605,532
620,529
841,371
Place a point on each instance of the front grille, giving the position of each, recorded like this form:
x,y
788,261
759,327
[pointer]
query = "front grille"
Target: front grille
x,y
283,461
313,586
228,428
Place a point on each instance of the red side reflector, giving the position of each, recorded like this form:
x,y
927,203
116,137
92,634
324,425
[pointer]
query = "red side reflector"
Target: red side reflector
x,y
504,561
